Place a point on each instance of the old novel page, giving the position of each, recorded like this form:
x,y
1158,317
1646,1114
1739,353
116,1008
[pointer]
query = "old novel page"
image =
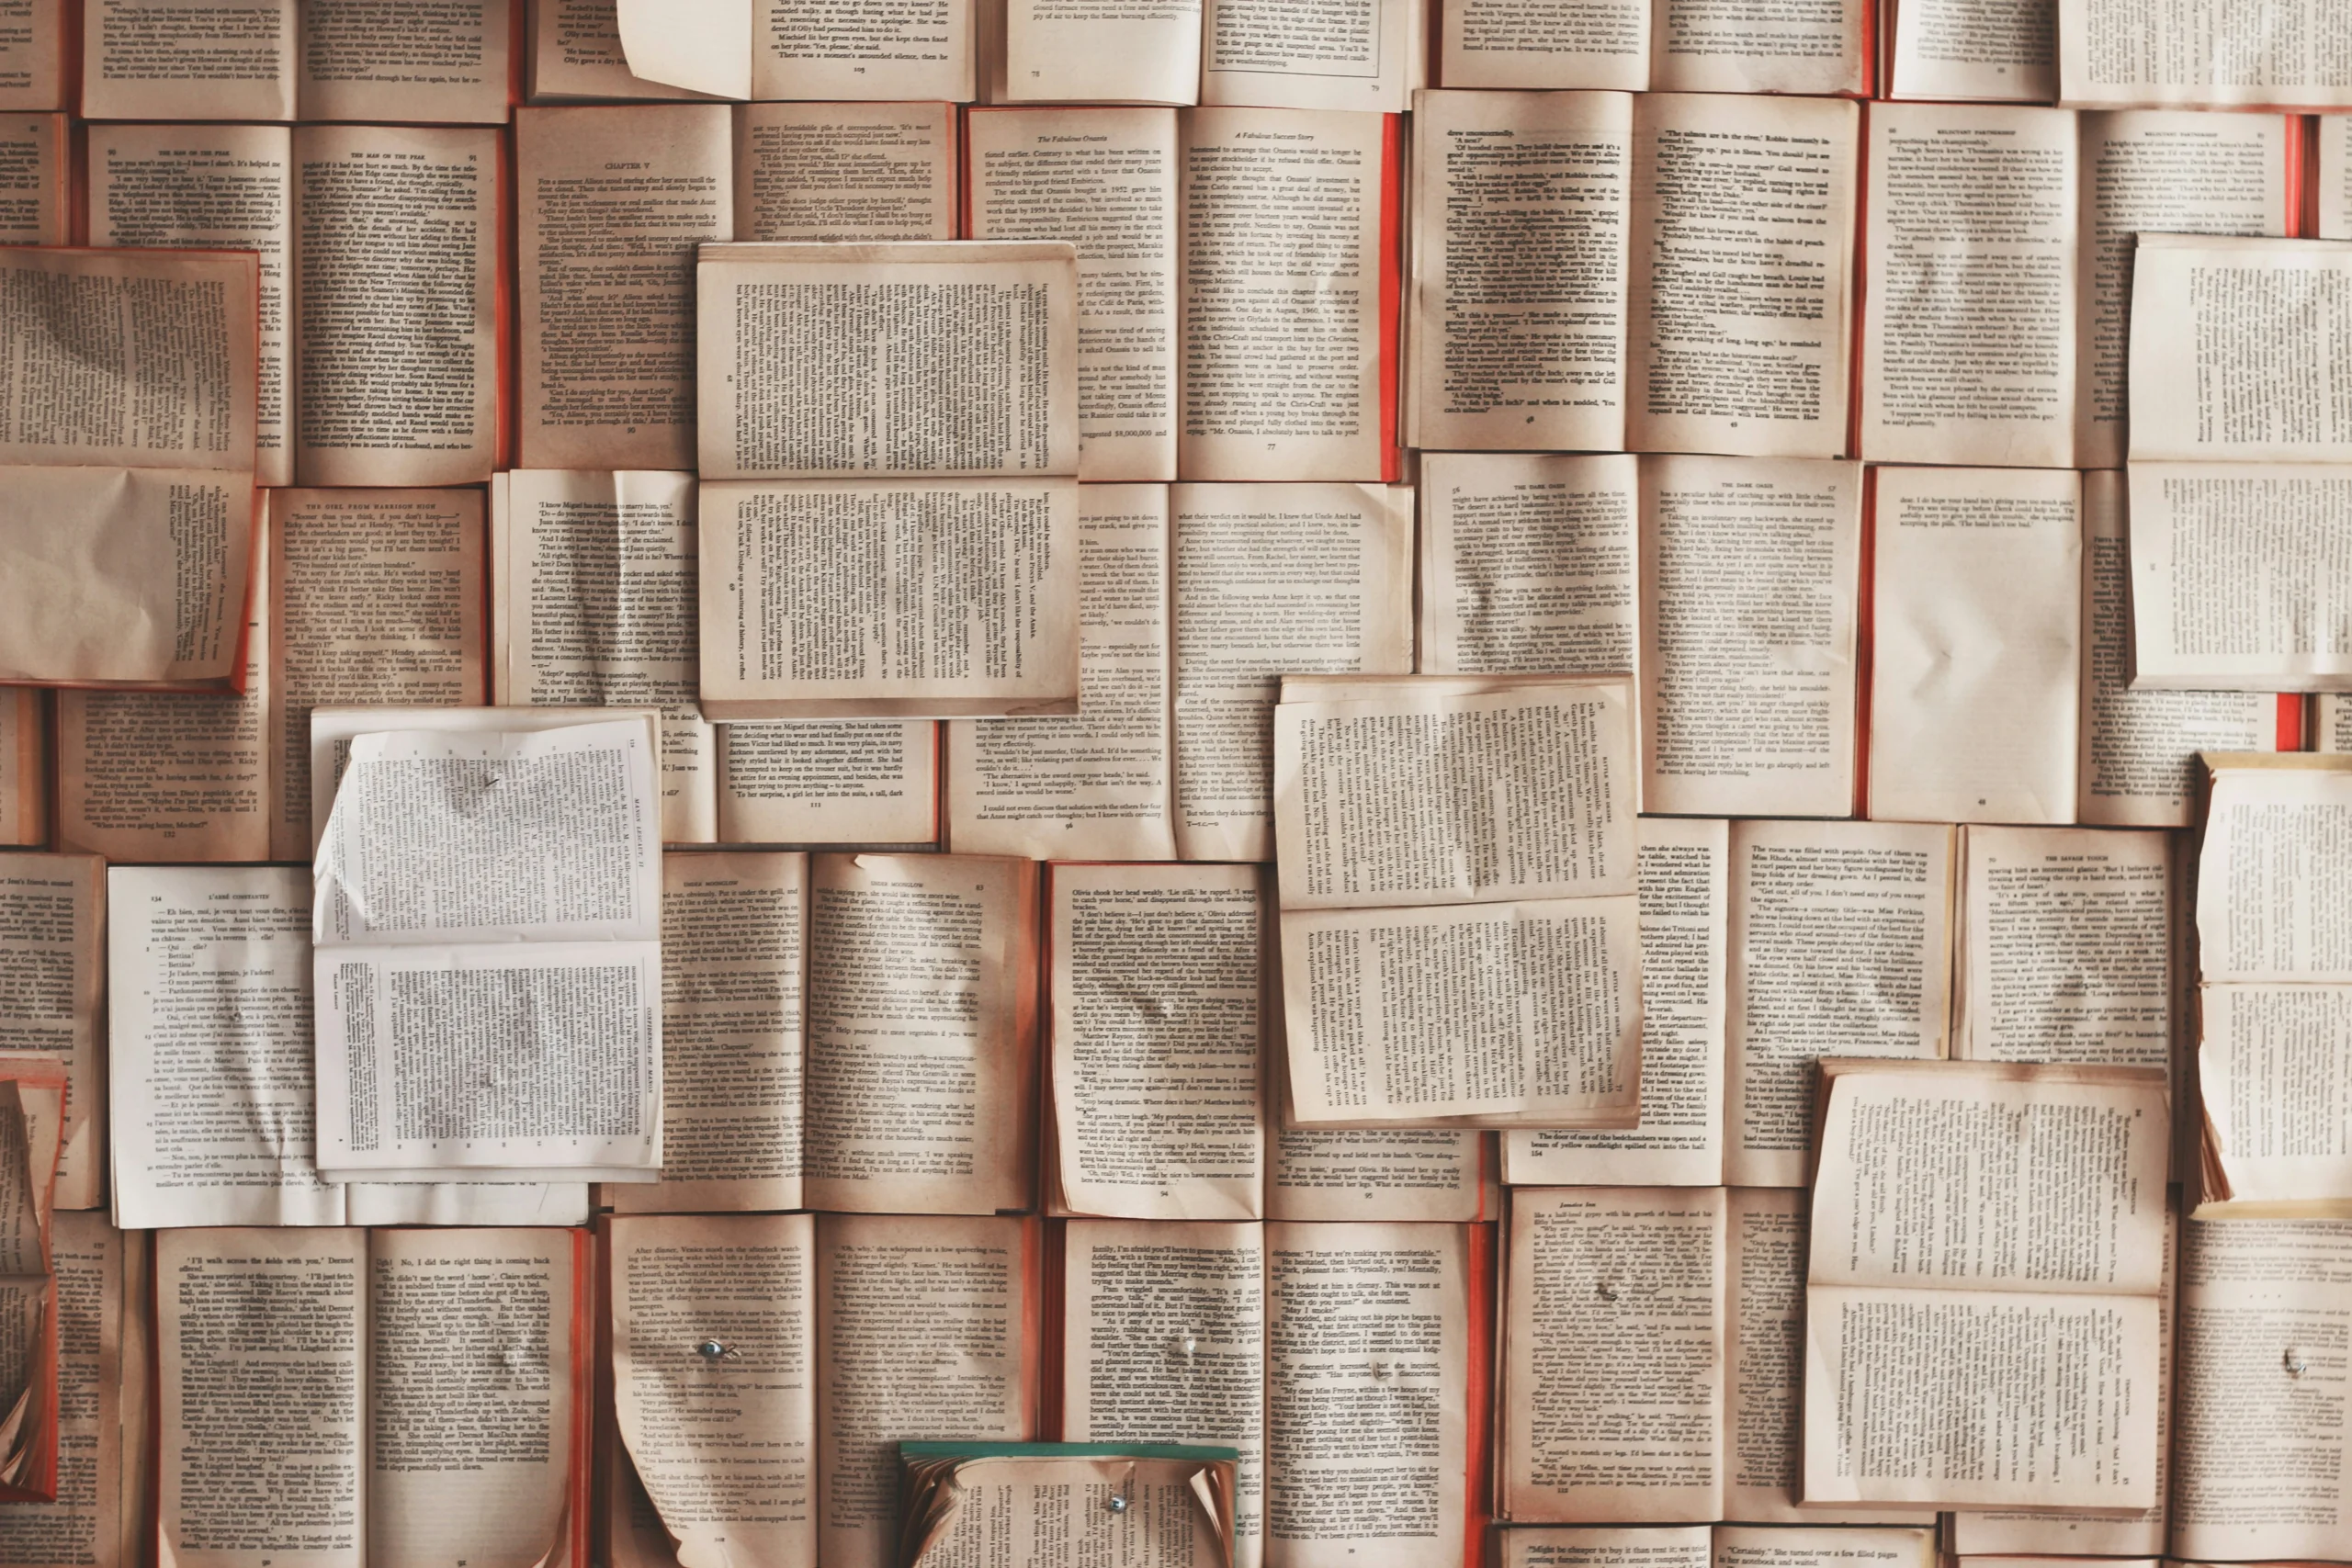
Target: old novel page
x,y
1977,645
1096,785
889,598
2239,581
2234,343
597,588
2136,767
52,973
847,783
575,52
856,172
924,1330
1157,1001
88,1525
397,236
1104,180
839,49
32,57
261,1411
704,46
1523,205
1600,1546
473,1383
1400,1174
1751,575
1728,46
1741,261
1969,307
1527,563
1164,1340
203,186
1589,1435
734,940
1320,55
2166,171
2005,51
1555,43
1368,1446
922,1033
613,203
1272,579
1840,946
35,174
2140,52
1066,51
1288,207
1685,920
714,1378
217,61
387,60
375,597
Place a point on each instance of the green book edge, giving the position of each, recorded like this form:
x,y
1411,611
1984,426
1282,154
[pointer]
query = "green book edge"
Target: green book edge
x,y
1066,1450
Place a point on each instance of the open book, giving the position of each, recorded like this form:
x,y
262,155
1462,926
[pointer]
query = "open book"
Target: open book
x,y
2006,52
1661,45
2201,53
768,49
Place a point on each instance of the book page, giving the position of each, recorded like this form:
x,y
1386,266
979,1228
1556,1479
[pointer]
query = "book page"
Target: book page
x,y
24,767
612,204
1068,51
703,45
1522,206
1164,1340
1741,260
207,60
864,173
375,598
2277,1102
2275,858
921,1025
1685,871
2172,172
734,936
2238,581
817,784
1555,43
2331,724
1426,796
262,1374
922,1332
32,56
839,49
2137,764
52,974
1840,946
1402,1174
2334,175
2140,52
1589,1435
724,1438
575,52
1527,563
1976,652
1287,209
34,175
1104,180
922,598
1789,1546
396,295
1320,55
1010,1510
203,186
85,1526
1751,575
1368,1446
597,596
393,60
2232,347
1156,996
1593,1546
1096,785
2261,1438
1395,1016
2005,51
1272,579
1969,307
1727,46
461,1462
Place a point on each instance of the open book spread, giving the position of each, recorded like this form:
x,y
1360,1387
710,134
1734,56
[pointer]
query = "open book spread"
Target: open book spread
x,y
1175,783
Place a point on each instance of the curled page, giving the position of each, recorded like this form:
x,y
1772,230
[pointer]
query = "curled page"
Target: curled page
x,y
704,46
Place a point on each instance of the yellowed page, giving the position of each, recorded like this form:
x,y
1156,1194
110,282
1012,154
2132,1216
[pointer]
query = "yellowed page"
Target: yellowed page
x,y
1588,1434
463,1461
1367,1333
734,929
395,305
835,171
2120,52
2273,858
596,588
1967,49
1968,311
2273,1091
919,1334
1840,946
394,60
612,203
24,767
1741,260
838,49
575,52
1976,651
1600,1546
1164,1341
376,596
53,969
1402,1174
2335,176
713,1347
35,171
1010,1512
1070,51
1685,920
921,1023
1104,180
1281,205
1156,998
1527,563
2234,343
262,1353
1517,333
1794,1545
1321,55
704,45
844,783
1726,46
1557,43
32,56
1752,573
85,1527
204,59
1096,785
1272,579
